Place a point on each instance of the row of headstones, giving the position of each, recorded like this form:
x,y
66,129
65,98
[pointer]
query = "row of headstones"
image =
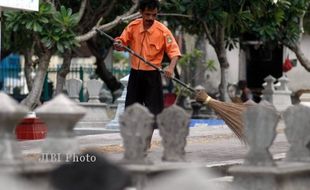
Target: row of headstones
x,y
136,126
278,95
48,171
260,129
259,170
93,87
137,121
61,115
97,118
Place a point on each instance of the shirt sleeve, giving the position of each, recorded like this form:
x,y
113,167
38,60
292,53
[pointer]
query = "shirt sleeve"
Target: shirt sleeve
x,y
125,36
172,48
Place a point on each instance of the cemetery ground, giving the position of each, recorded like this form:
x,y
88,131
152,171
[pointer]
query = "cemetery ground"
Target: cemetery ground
x,y
212,146
215,148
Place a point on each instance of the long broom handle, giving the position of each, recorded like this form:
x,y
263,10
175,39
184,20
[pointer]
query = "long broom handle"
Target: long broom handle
x,y
144,60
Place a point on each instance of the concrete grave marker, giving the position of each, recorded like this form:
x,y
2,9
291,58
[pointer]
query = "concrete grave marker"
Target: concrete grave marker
x,y
136,125
73,87
60,115
173,125
280,97
297,121
93,88
11,113
260,131
114,124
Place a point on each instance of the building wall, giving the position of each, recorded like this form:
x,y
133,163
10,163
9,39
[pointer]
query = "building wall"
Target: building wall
x,y
298,76
214,78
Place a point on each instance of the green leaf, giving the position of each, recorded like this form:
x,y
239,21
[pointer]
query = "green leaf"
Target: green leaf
x,y
69,13
37,27
29,25
44,20
60,48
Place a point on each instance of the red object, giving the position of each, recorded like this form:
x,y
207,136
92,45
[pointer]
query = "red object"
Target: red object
x,y
169,99
31,128
287,65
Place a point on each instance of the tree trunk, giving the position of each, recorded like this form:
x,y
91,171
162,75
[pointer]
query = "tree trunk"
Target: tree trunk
x,y
223,85
112,83
224,75
63,71
222,57
28,69
304,61
199,75
33,98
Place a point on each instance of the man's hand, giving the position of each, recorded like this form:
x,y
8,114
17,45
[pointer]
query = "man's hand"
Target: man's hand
x,y
169,72
201,96
118,45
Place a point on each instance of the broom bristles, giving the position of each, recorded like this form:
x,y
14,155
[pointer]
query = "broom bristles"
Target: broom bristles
x,y
231,113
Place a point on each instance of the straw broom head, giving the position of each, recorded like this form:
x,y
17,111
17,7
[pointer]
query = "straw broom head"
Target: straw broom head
x,y
231,113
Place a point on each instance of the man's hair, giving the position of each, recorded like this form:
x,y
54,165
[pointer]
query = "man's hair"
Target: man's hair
x,y
149,4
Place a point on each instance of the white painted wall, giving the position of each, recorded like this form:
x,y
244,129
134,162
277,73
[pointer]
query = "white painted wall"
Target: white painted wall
x,y
298,76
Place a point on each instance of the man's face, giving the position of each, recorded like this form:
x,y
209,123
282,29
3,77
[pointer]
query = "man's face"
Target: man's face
x,y
149,16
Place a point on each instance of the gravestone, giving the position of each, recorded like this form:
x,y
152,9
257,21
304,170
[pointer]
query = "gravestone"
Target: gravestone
x,y
73,87
173,124
136,125
290,174
96,116
280,97
297,121
114,124
260,130
60,115
11,113
196,106
269,88
93,88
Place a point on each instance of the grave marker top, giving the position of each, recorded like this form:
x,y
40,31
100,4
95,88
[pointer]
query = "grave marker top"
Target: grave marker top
x,y
260,130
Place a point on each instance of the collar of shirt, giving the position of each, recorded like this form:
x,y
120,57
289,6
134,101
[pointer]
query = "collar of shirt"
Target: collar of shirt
x,y
150,30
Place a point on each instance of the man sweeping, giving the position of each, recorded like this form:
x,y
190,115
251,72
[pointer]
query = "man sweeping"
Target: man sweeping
x,y
150,39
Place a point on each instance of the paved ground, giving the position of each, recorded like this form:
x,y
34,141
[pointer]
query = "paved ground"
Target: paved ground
x,y
210,145
207,145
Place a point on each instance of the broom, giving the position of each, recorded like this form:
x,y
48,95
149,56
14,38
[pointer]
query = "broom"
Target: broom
x,y
231,113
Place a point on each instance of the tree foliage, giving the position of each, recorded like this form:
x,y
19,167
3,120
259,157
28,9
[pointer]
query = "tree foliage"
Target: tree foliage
x,y
46,29
278,21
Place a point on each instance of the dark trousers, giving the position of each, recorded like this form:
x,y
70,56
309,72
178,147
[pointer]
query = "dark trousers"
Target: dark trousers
x,y
145,87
